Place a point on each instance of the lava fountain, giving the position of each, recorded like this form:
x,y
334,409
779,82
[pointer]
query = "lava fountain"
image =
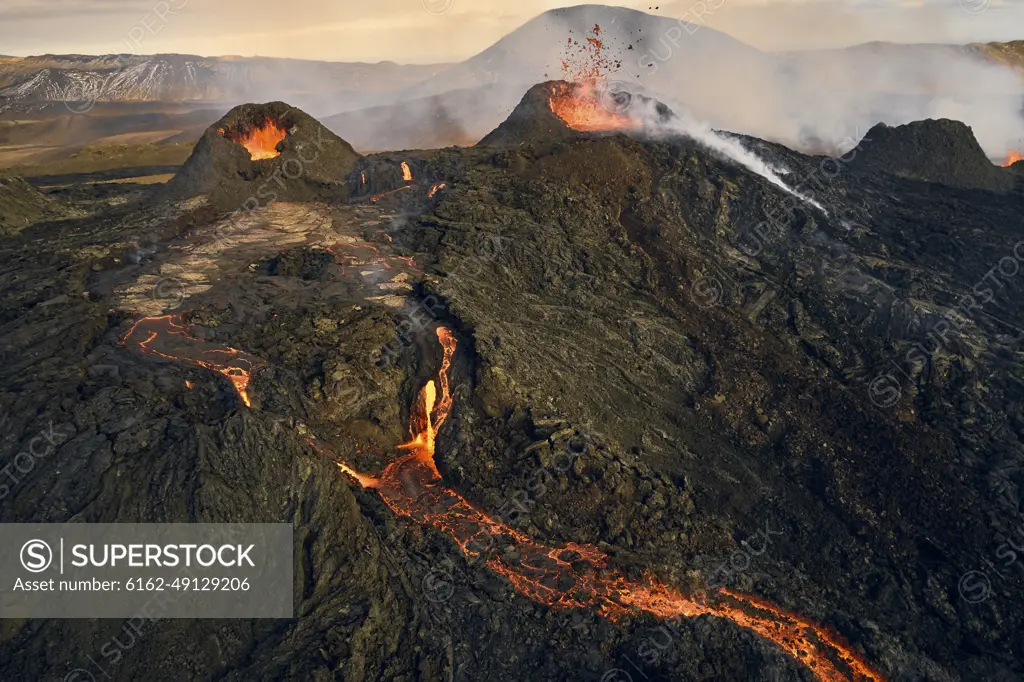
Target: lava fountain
x,y
585,107
1012,157
578,575
260,140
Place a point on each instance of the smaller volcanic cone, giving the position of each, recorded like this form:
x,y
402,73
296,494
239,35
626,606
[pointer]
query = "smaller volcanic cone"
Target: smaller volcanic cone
x,y
558,110
942,151
260,153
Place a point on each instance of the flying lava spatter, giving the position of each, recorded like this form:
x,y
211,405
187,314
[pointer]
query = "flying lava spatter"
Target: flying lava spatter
x,y
572,576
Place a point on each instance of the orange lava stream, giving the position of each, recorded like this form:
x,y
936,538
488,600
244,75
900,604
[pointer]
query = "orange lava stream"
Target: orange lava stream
x,y
579,106
1012,157
377,197
577,575
168,332
262,141
435,189
406,172
573,576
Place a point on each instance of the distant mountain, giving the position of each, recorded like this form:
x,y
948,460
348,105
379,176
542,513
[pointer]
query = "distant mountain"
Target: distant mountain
x,y
1011,53
822,100
180,78
815,100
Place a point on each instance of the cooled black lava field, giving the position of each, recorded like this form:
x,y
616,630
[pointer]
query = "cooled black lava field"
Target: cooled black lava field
x,y
699,427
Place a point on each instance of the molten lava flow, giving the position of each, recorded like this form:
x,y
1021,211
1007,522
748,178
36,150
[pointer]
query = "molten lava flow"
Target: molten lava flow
x,y
261,141
577,576
166,336
406,172
1012,157
434,190
573,576
377,197
581,108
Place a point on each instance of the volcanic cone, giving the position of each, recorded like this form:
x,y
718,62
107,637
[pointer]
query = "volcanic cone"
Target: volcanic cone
x,y
259,153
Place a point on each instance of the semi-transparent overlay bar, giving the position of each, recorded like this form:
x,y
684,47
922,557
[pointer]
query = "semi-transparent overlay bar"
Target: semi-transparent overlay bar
x,y
146,570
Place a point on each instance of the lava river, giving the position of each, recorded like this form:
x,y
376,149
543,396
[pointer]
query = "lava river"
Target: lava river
x,y
572,576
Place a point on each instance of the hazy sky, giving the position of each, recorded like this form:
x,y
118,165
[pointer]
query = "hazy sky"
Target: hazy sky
x,y
447,30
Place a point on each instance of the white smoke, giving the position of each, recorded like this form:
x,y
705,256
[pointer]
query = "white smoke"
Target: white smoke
x,y
809,101
655,125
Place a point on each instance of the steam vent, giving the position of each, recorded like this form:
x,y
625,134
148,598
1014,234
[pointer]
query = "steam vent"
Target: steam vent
x,y
934,150
270,152
558,110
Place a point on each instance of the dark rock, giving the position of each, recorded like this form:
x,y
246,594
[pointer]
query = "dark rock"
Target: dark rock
x,y
934,150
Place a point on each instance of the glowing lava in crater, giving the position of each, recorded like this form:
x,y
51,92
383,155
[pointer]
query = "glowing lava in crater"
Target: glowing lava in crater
x,y
260,141
586,107
1012,157
572,576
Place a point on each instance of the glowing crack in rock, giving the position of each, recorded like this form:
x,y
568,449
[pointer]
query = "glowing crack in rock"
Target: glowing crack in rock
x,y
166,336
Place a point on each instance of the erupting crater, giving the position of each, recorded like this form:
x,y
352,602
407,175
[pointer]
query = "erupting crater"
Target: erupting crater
x,y
1012,157
590,107
259,140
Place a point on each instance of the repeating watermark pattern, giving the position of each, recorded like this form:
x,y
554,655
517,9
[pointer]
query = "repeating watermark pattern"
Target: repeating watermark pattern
x,y
742,557
886,388
170,292
269,189
975,586
975,7
85,93
425,314
659,641
616,96
437,7
690,23
24,463
710,288
439,583
152,23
